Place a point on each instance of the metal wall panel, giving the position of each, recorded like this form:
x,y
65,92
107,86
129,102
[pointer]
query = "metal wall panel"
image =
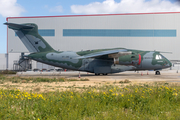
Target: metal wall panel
x,y
3,61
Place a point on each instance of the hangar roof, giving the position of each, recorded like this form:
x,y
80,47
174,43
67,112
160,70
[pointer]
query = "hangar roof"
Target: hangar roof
x,y
92,15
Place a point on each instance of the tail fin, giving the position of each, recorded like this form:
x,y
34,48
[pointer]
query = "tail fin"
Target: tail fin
x,y
28,34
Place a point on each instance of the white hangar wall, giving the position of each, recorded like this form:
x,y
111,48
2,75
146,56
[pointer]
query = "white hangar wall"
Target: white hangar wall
x,y
3,61
152,31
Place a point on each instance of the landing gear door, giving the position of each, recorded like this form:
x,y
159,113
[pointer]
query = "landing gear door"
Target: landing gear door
x,y
86,64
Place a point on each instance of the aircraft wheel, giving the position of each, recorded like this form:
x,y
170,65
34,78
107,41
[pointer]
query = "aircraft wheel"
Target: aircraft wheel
x,y
104,73
157,73
97,74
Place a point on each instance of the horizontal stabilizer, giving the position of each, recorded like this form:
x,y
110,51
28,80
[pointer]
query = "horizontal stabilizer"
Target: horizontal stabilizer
x,y
18,26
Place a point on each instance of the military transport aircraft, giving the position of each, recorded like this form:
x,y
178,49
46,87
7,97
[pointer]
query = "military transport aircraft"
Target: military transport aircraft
x,y
99,61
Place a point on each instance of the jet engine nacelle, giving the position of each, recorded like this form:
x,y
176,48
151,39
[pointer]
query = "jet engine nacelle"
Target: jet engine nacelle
x,y
116,56
128,60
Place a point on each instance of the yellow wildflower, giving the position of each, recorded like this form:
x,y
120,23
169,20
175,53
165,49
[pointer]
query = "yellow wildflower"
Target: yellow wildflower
x,y
175,94
110,90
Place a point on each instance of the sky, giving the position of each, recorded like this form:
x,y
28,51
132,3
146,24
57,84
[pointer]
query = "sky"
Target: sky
x,y
19,8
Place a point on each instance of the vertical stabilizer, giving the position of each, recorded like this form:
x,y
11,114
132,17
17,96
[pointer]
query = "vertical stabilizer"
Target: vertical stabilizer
x,y
28,34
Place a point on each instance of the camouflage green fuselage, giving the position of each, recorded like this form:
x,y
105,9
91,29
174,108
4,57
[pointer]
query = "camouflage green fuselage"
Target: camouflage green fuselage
x,y
138,60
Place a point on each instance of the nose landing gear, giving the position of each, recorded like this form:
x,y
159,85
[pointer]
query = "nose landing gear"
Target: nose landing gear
x,y
157,73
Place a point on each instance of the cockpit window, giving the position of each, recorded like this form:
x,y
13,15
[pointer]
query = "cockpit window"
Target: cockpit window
x,y
159,57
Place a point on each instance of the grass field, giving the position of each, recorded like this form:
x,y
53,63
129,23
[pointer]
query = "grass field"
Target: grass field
x,y
144,101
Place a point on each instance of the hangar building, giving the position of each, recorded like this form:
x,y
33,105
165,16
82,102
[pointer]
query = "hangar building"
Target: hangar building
x,y
142,31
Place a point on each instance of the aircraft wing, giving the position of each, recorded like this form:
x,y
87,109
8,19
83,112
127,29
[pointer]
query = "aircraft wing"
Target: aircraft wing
x,y
111,54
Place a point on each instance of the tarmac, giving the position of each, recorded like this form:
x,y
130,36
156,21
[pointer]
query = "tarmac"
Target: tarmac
x,y
141,76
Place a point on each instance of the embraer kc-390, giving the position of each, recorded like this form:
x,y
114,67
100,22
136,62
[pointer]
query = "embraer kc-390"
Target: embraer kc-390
x,y
99,61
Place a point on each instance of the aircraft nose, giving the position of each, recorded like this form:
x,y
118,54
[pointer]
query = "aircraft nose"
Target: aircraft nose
x,y
169,63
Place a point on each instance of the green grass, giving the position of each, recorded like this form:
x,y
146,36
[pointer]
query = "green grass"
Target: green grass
x,y
18,79
125,81
145,101
8,72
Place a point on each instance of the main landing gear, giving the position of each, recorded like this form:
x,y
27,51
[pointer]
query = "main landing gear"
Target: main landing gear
x,y
157,73
102,74
97,74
